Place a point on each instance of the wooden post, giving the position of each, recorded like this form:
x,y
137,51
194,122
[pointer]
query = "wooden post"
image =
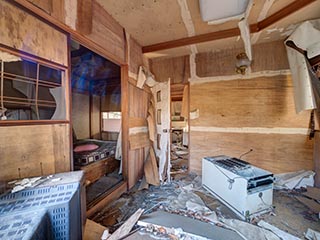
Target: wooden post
x,y
125,119
316,149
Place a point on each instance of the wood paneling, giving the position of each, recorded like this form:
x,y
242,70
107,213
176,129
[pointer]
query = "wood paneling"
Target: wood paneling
x,y
139,140
36,150
84,16
255,103
135,56
139,103
177,69
259,102
107,33
80,115
95,117
277,153
17,33
223,63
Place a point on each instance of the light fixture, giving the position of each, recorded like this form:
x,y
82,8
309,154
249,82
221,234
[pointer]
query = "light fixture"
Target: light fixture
x,y
242,63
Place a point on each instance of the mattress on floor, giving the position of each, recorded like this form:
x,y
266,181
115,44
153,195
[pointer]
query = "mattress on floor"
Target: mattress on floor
x,y
106,149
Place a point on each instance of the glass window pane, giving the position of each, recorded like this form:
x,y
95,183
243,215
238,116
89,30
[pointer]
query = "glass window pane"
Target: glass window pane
x,y
24,68
49,74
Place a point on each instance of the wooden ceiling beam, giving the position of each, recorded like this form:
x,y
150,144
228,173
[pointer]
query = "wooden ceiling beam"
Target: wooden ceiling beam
x,y
233,32
283,13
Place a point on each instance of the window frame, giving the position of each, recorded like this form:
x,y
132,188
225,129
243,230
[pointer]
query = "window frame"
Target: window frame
x,y
47,63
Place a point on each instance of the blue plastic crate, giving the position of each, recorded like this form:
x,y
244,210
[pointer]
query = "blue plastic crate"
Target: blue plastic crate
x,y
25,226
60,200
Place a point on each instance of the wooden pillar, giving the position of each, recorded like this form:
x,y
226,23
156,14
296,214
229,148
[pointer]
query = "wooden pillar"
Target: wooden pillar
x,y
316,149
125,119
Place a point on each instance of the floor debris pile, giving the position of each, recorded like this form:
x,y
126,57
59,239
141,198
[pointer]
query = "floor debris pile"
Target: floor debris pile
x,y
182,209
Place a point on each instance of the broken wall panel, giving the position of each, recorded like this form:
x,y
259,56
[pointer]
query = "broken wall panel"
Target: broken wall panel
x,y
238,115
17,33
223,63
37,150
277,153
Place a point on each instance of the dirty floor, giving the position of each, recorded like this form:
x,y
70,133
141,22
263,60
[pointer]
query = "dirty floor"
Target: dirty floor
x,y
289,214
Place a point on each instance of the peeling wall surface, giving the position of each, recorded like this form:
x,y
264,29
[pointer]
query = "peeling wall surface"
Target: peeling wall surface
x,y
25,32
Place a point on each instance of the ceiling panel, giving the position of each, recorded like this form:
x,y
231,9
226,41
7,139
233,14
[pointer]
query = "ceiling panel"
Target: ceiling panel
x,y
148,21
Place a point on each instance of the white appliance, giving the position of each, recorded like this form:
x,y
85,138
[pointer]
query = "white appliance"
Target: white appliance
x,y
245,189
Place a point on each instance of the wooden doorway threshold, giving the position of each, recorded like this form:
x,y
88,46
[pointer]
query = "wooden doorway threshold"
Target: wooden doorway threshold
x,y
111,195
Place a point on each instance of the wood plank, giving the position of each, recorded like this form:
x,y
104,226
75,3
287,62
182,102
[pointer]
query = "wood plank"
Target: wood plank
x,y
151,169
277,153
84,16
311,204
28,151
112,195
312,192
137,122
283,13
125,119
93,230
139,140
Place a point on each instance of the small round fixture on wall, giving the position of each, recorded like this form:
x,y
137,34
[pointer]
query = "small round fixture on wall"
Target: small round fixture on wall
x,y
242,63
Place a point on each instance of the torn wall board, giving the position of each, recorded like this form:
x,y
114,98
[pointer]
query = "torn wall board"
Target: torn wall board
x,y
293,180
306,37
191,226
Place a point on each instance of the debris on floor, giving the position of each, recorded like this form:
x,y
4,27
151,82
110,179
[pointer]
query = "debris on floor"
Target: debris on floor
x,y
312,235
184,198
293,180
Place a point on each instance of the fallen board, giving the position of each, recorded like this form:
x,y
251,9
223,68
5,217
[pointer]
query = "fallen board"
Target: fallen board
x,y
188,225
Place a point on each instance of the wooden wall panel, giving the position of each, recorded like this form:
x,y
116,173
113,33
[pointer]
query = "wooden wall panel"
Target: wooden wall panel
x,y
277,153
135,55
80,115
177,69
107,33
95,117
256,103
138,108
37,150
259,102
222,63
17,33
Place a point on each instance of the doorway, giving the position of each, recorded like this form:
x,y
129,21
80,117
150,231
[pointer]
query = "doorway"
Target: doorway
x,y
96,121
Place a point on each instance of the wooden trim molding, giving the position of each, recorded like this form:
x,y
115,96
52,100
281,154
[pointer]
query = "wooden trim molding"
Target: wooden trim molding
x,y
233,32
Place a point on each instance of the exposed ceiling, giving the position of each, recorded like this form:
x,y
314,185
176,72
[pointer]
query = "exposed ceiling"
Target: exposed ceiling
x,y
156,21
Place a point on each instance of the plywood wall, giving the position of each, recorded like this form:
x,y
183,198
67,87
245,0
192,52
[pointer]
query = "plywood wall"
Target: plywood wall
x,y
95,117
139,102
258,114
80,115
34,150
177,69
17,33
266,57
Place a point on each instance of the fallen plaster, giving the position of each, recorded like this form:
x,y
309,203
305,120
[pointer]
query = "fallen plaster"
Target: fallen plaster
x,y
7,57
263,14
300,131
